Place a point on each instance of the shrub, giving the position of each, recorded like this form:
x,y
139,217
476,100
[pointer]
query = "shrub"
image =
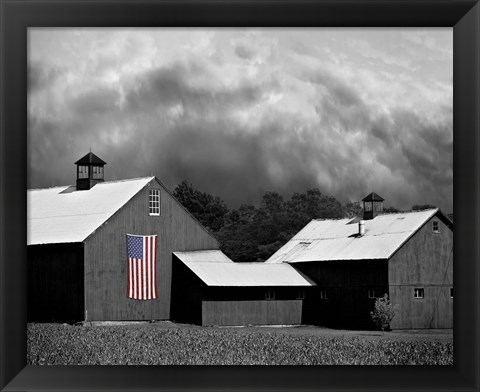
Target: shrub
x,y
383,313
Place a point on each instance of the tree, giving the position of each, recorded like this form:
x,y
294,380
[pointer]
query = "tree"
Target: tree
x,y
352,209
303,207
383,313
391,210
209,210
421,207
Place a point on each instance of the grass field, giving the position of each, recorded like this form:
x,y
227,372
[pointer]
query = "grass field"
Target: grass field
x,y
171,344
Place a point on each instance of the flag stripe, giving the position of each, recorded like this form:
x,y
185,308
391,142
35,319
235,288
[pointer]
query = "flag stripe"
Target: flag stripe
x,y
154,273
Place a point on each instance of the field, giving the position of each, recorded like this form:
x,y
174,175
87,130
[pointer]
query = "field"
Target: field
x,y
164,343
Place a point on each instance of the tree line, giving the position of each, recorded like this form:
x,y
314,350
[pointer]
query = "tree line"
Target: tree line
x,y
253,234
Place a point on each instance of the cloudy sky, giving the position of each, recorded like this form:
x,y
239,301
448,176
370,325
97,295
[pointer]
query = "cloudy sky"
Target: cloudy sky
x,y
238,112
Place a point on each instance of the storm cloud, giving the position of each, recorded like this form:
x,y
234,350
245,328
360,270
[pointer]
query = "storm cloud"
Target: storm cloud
x,y
240,112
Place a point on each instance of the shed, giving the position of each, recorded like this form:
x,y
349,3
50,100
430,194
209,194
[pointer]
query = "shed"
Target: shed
x,y
210,289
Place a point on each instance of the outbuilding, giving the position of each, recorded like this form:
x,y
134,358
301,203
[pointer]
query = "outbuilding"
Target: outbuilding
x,y
210,289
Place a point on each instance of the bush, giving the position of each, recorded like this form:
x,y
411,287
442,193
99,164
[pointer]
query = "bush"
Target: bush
x,y
383,313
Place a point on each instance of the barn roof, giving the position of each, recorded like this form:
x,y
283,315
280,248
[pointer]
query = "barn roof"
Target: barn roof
x,y
204,256
215,269
62,214
322,240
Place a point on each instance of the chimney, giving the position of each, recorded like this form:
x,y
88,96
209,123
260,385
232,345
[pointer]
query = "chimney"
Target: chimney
x,y
89,171
372,206
361,228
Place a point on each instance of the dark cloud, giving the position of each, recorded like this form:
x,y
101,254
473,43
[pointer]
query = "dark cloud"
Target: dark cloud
x,y
173,85
244,52
347,151
41,75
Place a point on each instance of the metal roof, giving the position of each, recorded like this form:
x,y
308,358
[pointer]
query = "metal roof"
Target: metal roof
x,y
204,256
215,269
62,214
322,240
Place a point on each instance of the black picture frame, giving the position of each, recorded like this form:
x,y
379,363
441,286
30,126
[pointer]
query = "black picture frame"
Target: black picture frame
x,y
17,16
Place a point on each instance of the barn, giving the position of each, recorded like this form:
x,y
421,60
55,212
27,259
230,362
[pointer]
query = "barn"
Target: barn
x,y
407,255
210,289
76,245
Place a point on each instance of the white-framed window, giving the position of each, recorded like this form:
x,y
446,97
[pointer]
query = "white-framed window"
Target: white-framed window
x,y
372,293
323,294
418,292
435,227
451,292
154,202
269,294
301,294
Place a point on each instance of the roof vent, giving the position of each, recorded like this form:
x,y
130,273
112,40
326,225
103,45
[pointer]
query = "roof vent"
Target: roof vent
x,y
361,228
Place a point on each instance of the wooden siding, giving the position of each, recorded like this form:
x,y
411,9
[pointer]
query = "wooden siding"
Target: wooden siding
x,y
274,312
424,261
55,283
346,283
106,258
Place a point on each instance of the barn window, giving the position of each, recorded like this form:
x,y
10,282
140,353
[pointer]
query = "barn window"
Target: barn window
x,y
301,294
418,293
97,172
451,292
82,171
154,202
270,294
323,294
372,293
435,228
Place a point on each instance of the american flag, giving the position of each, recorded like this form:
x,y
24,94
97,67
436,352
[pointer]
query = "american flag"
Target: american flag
x,y
142,282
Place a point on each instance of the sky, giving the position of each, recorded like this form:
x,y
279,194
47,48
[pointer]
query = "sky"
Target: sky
x,y
239,112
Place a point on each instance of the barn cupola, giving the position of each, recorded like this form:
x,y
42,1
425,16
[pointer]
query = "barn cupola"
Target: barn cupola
x,y
372,206
89,171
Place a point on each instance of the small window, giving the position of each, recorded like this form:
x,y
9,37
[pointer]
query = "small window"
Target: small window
x,y
97,172
418,293
323,294
154,202
372,293
301,294
435,227
270,294
451,292
82,171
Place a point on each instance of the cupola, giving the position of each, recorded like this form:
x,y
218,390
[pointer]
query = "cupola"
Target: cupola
x,y
89,171
372,206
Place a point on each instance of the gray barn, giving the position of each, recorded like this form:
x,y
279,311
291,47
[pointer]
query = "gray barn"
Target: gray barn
x,y
77,261
408,256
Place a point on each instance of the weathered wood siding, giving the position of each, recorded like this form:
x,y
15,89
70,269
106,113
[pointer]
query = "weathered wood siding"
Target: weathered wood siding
x,y
424,261
260,312
106,257
55,283
346,283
